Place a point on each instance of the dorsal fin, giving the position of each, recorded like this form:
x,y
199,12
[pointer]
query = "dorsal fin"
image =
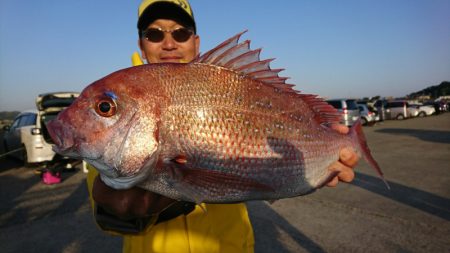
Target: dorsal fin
x,y
239,57
212,54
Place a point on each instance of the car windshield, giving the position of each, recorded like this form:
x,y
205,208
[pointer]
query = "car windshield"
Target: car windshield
x,y
396,104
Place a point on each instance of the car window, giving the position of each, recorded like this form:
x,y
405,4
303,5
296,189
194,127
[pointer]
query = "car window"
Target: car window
x,y
33,119
16,123
23,120
351,104
335,104
380,103
55,101
396,104
47,117
28,120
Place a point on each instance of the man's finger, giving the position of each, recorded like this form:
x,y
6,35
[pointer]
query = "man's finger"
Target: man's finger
x,y
340,128
346,175
333,182
348,157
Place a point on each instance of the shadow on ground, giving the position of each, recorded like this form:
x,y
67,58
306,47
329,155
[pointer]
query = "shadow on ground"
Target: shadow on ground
x,y
425,135
266,225
20,204
422,200
7,163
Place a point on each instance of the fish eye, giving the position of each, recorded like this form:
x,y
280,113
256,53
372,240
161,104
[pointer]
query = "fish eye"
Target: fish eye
x,y
106,107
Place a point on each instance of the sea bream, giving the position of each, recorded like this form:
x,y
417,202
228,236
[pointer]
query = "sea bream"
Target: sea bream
x,y
223,128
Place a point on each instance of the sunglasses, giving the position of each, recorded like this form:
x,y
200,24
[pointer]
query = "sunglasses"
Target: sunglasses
x,y
156,35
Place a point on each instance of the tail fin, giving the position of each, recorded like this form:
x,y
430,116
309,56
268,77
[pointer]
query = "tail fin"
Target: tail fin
x,y
356,133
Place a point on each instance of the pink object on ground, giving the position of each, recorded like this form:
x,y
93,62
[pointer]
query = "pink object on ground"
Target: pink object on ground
x,y
49,178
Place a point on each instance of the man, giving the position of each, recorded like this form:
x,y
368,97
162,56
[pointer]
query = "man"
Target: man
x,y
150,222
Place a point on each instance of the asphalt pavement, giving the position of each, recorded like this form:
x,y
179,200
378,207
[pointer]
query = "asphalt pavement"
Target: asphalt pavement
x,y
364,216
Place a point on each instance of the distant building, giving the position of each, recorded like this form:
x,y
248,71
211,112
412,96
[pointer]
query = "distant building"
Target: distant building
x,y
442,98
423,97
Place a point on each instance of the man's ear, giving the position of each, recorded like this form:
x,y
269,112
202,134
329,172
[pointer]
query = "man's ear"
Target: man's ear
x,y
197,44
144,56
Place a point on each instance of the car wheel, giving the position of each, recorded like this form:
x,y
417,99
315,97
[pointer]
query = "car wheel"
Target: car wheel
x,y
400,117
363,121
422,114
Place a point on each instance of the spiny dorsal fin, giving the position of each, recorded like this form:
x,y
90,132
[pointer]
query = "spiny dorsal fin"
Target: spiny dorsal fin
x,y
239,57
212,54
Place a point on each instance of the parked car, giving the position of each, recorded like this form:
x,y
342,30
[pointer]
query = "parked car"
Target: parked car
x,y
413,111
439,106
28,133
397,109
424,110
367,117
349,109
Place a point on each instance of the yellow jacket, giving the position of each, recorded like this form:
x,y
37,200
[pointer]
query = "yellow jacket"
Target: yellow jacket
x,y
213,229
221,228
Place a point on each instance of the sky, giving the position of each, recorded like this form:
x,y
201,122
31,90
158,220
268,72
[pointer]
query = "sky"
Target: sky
x,y
347,48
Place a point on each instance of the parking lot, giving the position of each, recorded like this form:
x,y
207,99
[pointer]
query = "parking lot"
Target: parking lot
x,y
364,216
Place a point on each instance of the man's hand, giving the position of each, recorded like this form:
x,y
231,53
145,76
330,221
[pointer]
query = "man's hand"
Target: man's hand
x,y
130,203
347,160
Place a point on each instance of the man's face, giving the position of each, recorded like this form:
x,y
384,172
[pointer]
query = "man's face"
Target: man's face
x,y
169,50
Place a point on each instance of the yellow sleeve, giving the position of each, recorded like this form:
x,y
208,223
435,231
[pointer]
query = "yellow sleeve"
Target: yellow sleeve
x,y
92,173
136,59
222,228
214,228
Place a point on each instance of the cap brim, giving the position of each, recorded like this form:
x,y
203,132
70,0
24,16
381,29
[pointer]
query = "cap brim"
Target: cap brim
x,y
165,10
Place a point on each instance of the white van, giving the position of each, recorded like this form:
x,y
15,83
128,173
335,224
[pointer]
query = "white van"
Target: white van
x,y
28,135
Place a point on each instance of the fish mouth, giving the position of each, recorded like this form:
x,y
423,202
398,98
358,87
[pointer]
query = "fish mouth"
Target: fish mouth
x,y
62,137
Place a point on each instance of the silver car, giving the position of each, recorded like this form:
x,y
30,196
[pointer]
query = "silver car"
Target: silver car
x,y
424,110
413,111
27,138
348,108
367,117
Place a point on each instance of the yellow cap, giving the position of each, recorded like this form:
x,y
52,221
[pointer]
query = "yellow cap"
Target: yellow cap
x,y
152,9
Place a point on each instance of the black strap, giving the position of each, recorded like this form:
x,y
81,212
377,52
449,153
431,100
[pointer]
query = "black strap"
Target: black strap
x,y
176,209
110,222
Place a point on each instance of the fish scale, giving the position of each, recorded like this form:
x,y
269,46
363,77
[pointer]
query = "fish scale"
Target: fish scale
x,y
290,158
224,128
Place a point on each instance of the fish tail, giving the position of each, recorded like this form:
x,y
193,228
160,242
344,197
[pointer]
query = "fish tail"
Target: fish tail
x,y
357,135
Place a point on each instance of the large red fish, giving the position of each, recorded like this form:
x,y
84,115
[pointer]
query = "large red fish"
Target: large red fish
x,y
224,128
